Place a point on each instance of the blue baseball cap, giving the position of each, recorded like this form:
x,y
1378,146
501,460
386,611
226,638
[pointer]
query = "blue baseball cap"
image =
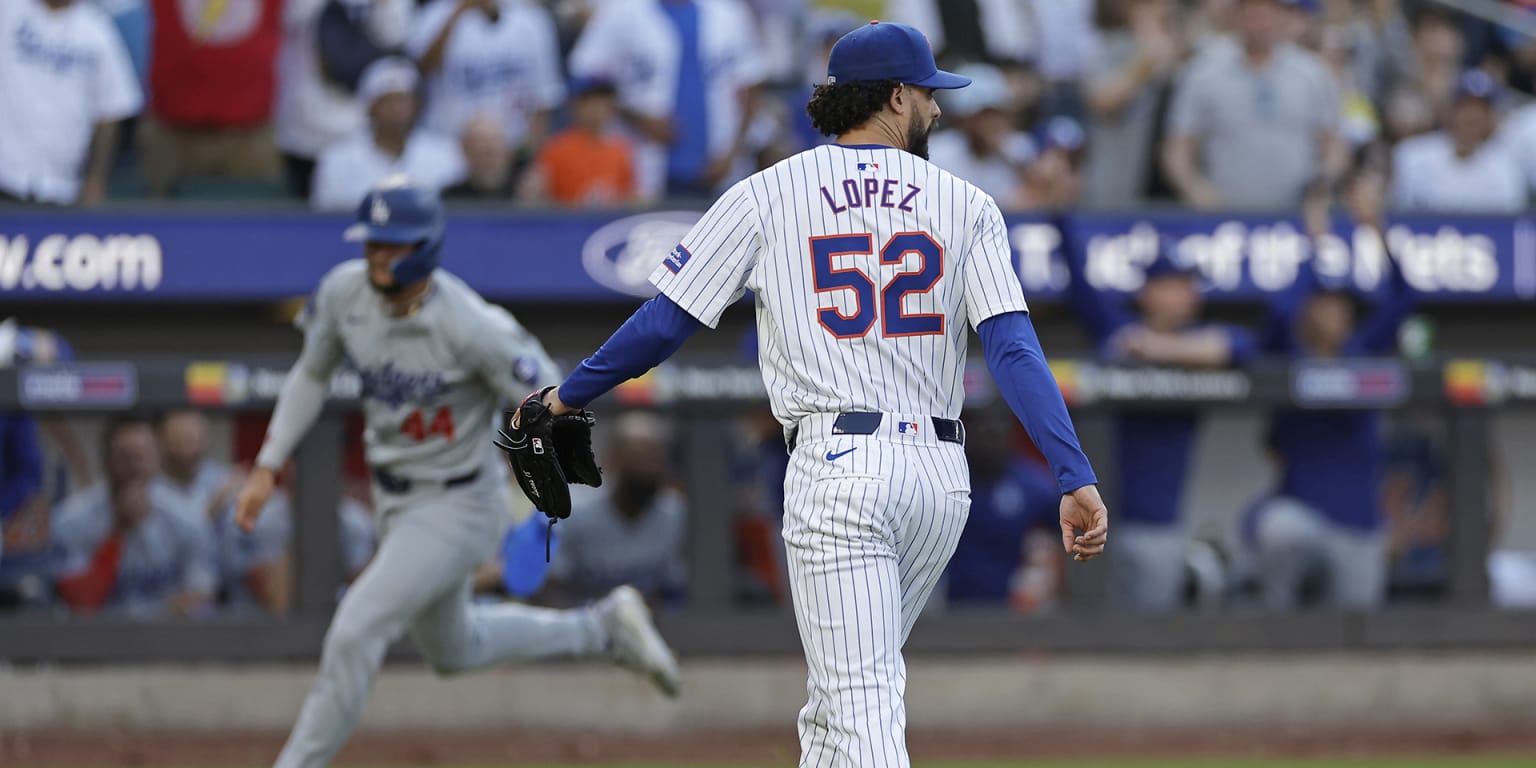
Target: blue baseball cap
x,y
1477,84
882,51
1063,132
1170,262
581,86
1305,6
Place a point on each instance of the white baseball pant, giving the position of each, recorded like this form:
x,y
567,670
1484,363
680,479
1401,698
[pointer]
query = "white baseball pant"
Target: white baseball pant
x,y
870,523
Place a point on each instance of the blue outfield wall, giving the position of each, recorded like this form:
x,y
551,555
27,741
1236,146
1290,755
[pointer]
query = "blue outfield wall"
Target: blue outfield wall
x,y
181,255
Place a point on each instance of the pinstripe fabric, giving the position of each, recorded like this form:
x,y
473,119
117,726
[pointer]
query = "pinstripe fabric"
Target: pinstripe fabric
x,y
867,536
757,236
868,264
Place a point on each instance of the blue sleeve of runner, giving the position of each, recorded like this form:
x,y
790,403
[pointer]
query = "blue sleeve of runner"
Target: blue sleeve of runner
x,y
1018,364
652,334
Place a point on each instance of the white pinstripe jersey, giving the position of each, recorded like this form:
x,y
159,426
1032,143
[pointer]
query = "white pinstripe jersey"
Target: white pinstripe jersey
x,y
867,263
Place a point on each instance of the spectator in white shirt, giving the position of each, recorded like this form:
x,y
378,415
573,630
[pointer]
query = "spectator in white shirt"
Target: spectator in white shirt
x,y
1462,168
973,30
1069,48
495,57
314,111
65,83
391,146
685,72
983,148
1518,134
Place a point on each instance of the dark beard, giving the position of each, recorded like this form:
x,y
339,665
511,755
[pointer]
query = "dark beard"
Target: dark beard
x,y
917,138
633,496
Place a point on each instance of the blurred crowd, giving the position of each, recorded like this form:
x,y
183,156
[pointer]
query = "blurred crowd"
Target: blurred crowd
x,y
1213,104
1115,104
142,526
1355,513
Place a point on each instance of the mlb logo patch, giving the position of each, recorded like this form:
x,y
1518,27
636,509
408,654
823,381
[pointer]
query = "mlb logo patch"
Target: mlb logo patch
x,y
677,259
906,427
869,166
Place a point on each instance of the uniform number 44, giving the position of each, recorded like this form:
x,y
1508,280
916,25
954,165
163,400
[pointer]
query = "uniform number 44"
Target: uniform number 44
x,y
895,321
417,428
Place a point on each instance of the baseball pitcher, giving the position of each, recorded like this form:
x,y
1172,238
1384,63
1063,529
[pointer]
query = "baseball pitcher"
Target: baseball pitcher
x,y
868,264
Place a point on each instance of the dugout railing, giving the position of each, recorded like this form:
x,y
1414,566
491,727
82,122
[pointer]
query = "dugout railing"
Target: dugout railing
x,y
706,400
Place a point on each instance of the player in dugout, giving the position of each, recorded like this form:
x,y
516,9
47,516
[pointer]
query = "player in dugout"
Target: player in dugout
x,y
1162,327
1324,519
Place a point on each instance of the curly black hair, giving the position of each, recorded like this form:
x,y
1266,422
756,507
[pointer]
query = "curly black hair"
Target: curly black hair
x,y
837,108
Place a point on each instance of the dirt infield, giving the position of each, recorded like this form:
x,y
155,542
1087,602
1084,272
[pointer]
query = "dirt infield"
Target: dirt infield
x,y
77,749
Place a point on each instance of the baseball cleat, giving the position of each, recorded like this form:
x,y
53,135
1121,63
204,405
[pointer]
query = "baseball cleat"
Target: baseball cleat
x,y
634,643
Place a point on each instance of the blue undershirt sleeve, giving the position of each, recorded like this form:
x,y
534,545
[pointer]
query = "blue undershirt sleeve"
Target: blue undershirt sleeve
x,y
651,335
1018,364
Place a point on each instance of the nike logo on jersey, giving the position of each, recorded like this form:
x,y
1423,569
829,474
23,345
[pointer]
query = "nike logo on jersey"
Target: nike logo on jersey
x,y
835,456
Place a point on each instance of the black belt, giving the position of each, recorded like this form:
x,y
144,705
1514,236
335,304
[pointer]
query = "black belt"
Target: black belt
x,y
865,423
392,483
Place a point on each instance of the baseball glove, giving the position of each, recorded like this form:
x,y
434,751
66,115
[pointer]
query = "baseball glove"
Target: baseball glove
x,y
548,452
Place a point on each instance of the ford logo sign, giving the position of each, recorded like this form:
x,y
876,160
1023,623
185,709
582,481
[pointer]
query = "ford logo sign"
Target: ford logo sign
x,y
621,254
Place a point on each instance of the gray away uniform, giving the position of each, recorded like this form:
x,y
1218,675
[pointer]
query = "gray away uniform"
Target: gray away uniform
x,y
432,384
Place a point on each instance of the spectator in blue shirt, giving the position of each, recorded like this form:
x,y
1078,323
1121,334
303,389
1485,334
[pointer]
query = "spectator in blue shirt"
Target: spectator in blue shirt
x,y
1325,518
1010,549
1153,447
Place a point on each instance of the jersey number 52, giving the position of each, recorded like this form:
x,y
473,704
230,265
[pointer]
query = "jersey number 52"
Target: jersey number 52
x,y
896,322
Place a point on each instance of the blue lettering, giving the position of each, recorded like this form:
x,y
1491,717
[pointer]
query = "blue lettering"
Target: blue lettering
x,y
491,75
851,192
396,388
825,195
57,55
906,202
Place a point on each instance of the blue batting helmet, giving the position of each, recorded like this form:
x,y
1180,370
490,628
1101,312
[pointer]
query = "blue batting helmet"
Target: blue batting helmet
x,y
1170,262
401,213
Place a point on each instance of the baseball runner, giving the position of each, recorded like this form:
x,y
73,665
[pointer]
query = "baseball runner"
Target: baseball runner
x,y
435,360
868,263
